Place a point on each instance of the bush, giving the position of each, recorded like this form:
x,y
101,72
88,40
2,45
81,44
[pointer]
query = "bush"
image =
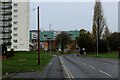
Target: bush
x,y
4,49
10,53
114,41
103,46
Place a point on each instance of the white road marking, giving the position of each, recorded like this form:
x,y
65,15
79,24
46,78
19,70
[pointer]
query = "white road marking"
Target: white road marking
x,y
92,67
105,73
68,72
66,69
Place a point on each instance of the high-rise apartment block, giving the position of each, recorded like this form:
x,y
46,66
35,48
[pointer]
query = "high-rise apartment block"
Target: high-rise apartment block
x,y
14,24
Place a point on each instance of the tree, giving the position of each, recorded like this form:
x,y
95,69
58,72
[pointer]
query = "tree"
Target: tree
x,y
98,21
85,40
94,31
94,36
103,48
106,33
114,41
62,40
105,41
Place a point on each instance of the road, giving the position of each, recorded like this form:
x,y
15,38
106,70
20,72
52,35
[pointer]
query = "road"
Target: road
x,y
76,67
82,67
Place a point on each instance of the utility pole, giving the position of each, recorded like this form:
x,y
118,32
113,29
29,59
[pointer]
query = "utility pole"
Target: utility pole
x,y
38,38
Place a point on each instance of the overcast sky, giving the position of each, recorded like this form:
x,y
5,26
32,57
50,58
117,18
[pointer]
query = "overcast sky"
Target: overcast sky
x,y
72,15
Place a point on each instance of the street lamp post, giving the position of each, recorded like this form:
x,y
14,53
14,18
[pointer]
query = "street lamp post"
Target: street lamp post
x,y
97,33
97,40
50,37
60,42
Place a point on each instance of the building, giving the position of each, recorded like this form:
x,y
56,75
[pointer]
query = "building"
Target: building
x,y
48,37
33,39
73,34
45,38
14,24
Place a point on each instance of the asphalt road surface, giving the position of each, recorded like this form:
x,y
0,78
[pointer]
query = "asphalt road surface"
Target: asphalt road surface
x,y
82,67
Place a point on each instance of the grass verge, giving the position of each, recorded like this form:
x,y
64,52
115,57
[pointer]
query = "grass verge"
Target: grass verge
x,y
112,55
25,62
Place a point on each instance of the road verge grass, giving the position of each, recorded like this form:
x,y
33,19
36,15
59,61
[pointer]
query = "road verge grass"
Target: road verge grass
x,y
25,62
112,55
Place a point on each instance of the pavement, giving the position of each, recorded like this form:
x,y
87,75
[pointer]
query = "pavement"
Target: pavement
x,y
52,70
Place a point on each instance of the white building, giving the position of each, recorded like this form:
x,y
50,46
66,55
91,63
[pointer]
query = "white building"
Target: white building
x,y
14,24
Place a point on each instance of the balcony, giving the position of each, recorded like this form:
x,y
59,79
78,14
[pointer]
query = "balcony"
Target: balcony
x,y
6,13
6,7
7,31
5,19
6,1
7,25
6,38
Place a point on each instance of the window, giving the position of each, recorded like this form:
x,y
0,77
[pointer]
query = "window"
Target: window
x,y
15,10
15,16
15,41
15,47
15,34
15,29
15,4
15,22
45,35
70,34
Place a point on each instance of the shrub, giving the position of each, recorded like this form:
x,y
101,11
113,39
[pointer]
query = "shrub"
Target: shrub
x,y
103,46
10,53
114,41
4,49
